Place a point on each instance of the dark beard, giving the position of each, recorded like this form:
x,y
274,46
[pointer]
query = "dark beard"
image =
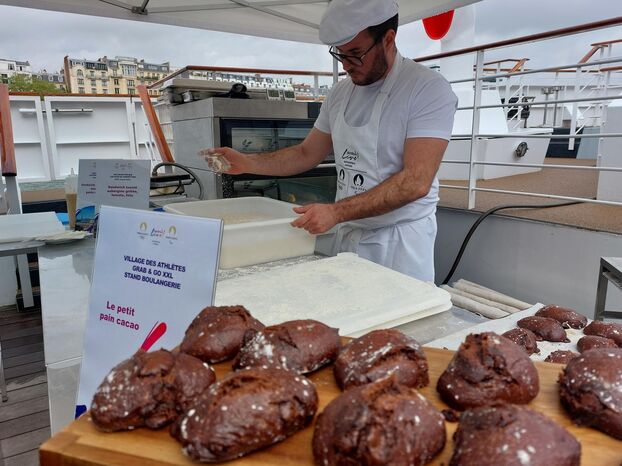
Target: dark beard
x,y
378,69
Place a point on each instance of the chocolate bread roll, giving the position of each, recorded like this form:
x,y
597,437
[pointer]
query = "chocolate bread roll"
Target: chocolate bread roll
x,y
569,318
589,342
486,368
524,338
544,328
609,330
561,356
248,410
217,333
512,435
149,389
378,354
298,345
590,389
380,423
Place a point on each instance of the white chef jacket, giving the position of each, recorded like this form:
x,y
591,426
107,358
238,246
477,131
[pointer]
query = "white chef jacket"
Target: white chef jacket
x,y
414,102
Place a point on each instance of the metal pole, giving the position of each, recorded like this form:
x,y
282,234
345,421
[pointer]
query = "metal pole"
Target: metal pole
x,y
556,99
316,87
603,114
546,97
477,101
575,107
335,71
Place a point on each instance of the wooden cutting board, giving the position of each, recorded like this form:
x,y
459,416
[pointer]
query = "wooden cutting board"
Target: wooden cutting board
x,y
80,444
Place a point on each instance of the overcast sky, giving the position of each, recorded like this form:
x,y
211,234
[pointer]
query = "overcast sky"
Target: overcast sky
x,y
44,37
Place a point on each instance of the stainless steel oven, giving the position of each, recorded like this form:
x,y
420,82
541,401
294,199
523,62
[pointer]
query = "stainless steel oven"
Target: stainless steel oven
x,y
250,125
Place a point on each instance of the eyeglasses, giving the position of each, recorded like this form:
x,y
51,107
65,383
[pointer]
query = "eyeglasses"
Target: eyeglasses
x,y
352,59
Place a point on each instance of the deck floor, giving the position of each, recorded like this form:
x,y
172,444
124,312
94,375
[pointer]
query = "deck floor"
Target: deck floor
x,y
556,181
25,417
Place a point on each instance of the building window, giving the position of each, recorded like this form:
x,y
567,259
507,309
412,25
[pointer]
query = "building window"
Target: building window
x,y
80,73
93,90
92,74
11,67
131,91
80,81
128,70
104,91
116,82
93,82
117,90
103,74
130,82
81,90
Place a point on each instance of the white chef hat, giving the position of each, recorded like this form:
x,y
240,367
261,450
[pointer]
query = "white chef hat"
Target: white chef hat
x,y
344,19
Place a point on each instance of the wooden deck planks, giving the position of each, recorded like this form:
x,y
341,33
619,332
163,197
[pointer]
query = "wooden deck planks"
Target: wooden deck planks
x,y
30,458
24,424
23,408
25,417
21,350
27,392
23,443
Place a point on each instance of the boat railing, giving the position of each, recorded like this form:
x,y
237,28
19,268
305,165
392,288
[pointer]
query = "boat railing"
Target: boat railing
x,y
593,96
254,78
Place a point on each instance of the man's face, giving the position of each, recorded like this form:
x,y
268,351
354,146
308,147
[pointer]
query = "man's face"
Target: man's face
x,y
374,62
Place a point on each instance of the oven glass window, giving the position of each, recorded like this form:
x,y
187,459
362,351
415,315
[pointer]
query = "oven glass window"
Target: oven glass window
x,y
315,185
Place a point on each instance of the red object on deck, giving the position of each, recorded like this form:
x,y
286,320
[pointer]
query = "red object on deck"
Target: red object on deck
x,y
437,26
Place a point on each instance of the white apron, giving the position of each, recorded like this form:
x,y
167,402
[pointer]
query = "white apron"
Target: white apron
x,y
402,239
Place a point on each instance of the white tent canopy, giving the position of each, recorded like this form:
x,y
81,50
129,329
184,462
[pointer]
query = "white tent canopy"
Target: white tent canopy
x,y
296,20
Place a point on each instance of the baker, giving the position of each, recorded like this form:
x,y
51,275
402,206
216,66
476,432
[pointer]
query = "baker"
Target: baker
x,y
388,125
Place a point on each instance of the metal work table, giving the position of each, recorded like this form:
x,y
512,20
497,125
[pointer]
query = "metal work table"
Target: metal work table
x,y
65,275
610,271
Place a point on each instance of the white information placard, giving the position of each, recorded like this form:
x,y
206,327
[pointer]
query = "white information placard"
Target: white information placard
x,y
114,182
153,273
87,179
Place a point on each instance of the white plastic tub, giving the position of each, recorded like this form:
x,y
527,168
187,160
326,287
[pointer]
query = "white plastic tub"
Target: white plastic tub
x,y
256,230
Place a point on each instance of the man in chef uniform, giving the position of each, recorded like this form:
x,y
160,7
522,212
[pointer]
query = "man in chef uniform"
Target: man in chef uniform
x,y
388,126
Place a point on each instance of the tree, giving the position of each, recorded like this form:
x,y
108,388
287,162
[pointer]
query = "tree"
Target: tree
x,y
23,83
42,87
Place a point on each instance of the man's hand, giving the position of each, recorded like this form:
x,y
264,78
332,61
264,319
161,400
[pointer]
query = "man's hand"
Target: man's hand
x,y
236,161
316,218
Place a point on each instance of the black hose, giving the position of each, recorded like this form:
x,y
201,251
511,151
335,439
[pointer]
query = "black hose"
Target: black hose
x,y
483,216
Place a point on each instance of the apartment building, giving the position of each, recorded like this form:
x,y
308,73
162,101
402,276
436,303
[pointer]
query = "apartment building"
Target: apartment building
x,y
10,67
58,79
118,75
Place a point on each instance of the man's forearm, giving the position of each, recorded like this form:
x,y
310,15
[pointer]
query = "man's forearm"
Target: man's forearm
x,y
393,193
283,162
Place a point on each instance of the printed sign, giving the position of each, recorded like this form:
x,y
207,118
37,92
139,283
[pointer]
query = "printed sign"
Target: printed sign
x,y
153,273
114,182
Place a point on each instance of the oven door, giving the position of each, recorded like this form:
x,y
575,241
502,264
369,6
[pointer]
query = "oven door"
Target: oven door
x,y
251,136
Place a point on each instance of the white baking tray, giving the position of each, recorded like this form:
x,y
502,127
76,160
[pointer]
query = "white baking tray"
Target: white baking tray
x,y
346,291
256,230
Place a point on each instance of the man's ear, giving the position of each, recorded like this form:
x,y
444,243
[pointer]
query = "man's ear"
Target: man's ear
x,y
389,38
